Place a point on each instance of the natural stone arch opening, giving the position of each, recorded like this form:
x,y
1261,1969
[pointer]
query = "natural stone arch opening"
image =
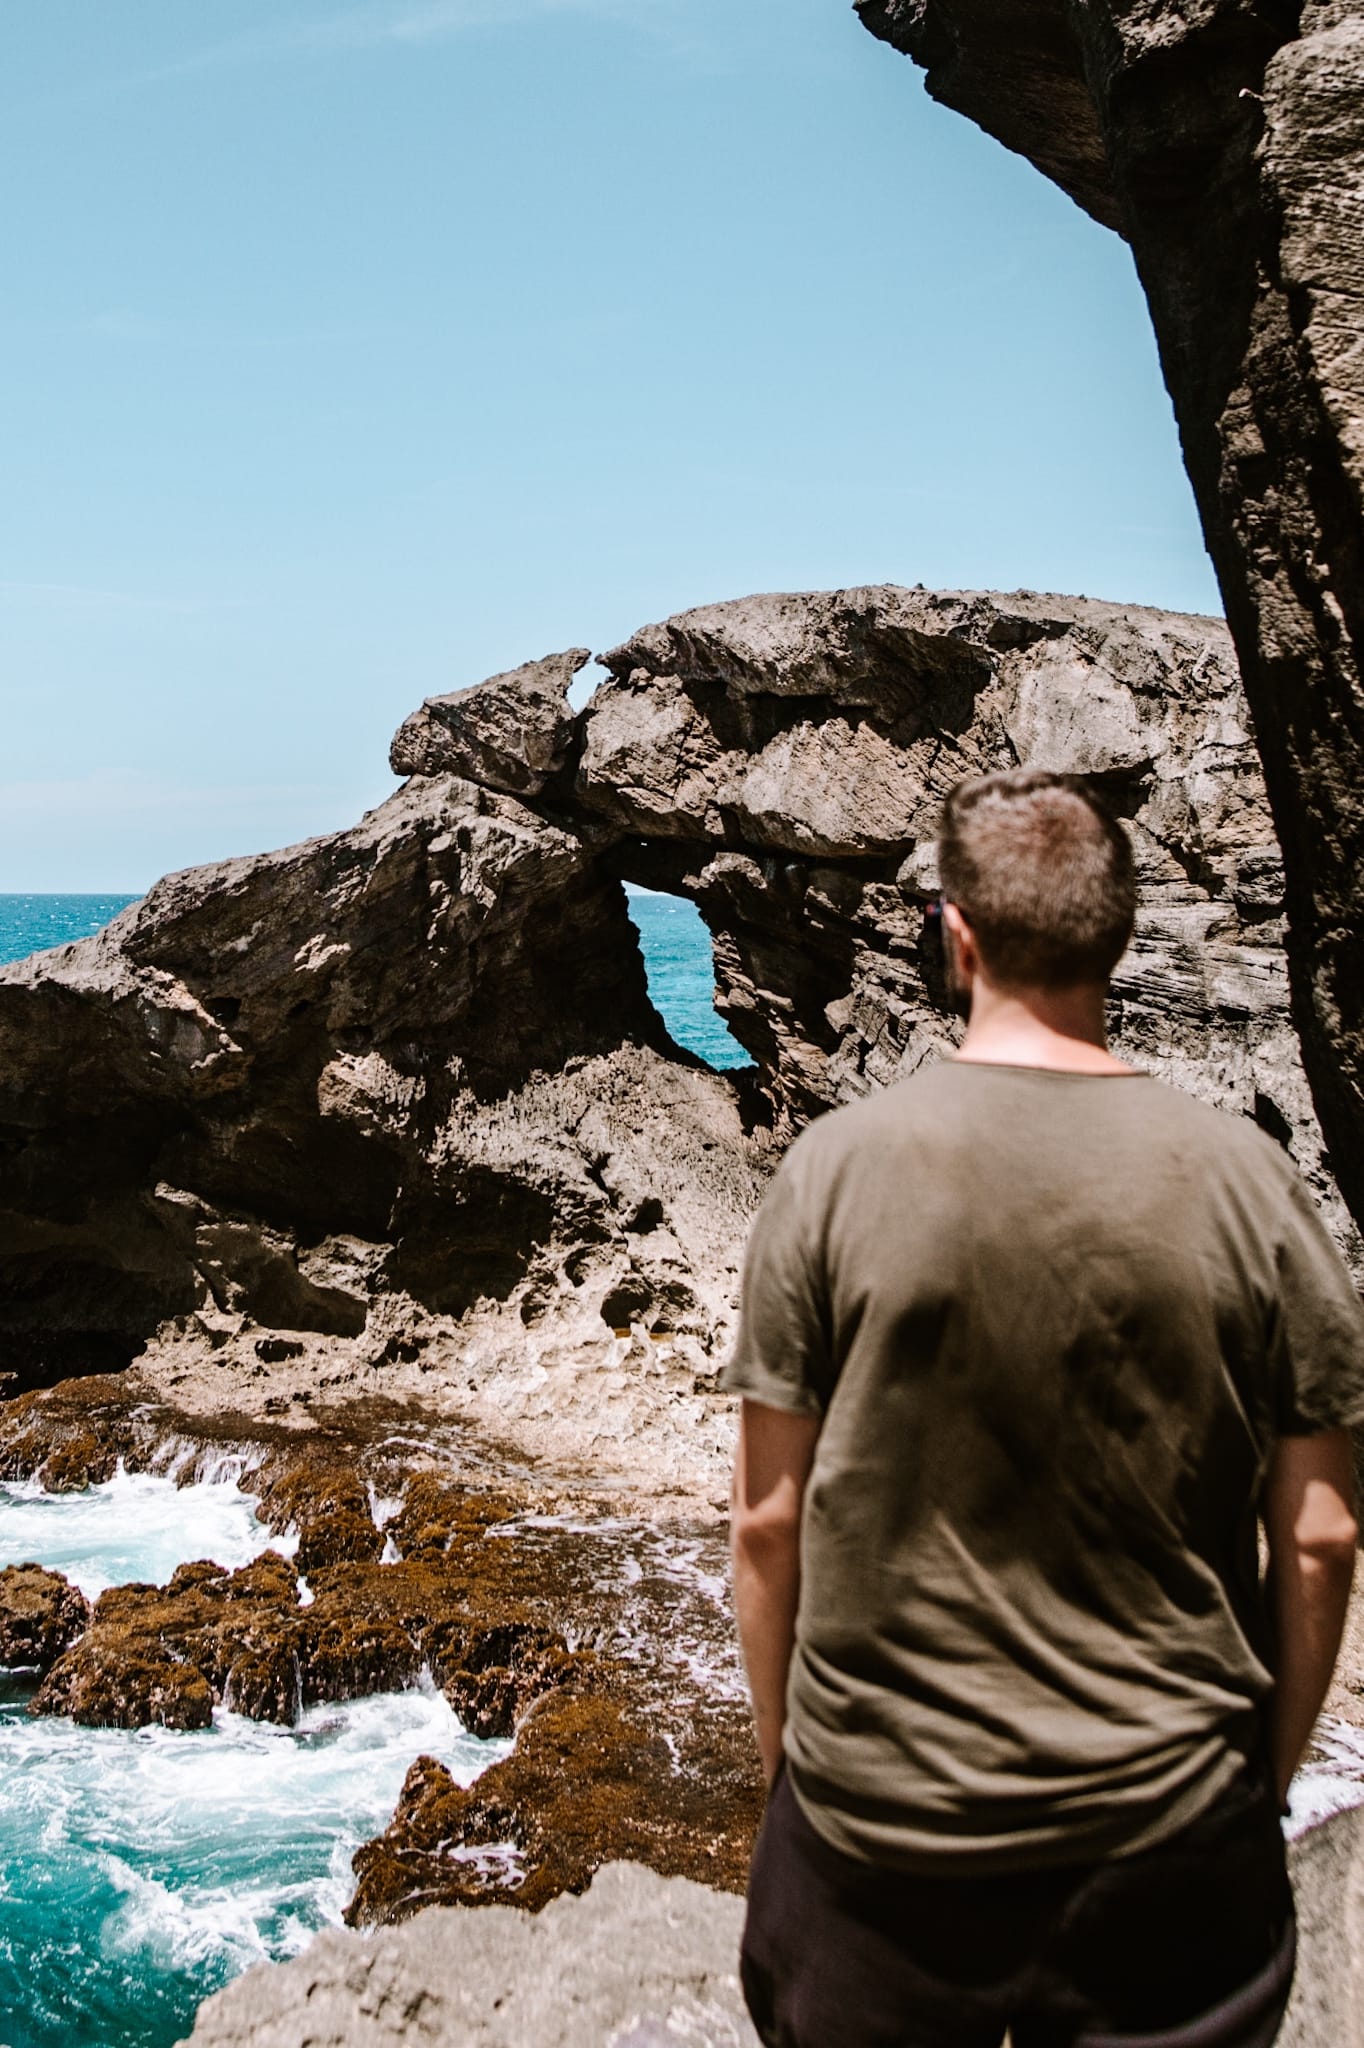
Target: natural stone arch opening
x,y
679,967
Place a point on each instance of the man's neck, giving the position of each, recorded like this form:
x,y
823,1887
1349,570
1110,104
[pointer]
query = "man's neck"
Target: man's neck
x,y
1060,1029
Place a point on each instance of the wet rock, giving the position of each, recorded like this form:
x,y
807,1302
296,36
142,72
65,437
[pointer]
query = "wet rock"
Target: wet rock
x,y
511,733
265,1682
350,1654
640,1962
326,1504
587,1782
492,1673
117,1679
78,1463
1226,143
85,1435
168,1653
41,1614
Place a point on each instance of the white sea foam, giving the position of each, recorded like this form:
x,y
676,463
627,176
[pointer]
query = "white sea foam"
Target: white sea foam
x,y
210,1851
136,1526
141,1868
1332,1781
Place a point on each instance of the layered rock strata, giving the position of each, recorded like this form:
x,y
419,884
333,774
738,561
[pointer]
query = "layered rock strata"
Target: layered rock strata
x,y
1225,140
393,1110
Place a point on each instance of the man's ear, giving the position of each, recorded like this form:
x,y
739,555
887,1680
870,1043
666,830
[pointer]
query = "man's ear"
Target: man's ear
x,y
963,940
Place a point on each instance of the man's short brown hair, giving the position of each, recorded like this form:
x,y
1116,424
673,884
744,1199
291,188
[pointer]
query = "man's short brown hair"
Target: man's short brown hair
x,y
1042,873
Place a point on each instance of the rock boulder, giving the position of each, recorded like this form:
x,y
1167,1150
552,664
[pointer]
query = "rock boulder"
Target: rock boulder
x,y
41,1614
640,1961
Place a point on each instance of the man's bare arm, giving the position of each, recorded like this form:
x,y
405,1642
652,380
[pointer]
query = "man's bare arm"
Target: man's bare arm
x,y
1311,1531
776,1450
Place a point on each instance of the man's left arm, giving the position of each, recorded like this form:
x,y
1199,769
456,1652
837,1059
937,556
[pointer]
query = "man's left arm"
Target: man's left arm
x,y
776,1451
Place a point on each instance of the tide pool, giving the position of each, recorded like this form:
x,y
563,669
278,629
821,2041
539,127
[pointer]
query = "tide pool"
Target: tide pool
x,y
142,1869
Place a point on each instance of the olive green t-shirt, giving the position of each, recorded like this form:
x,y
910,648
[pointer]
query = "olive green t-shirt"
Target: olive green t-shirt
x,y
1052,1324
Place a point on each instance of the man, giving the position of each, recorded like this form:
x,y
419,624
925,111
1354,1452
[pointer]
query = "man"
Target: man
x,y
1029,1343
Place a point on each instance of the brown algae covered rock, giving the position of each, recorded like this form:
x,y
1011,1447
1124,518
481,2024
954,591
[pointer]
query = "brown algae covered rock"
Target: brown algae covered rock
x,y
41,1615
588,1782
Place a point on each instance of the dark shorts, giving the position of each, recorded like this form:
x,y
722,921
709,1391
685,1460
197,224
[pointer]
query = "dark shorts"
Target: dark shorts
x,y
1187,1945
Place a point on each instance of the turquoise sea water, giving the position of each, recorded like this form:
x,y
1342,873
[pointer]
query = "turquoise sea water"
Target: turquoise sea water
x,y
142,1869
676,948
675,942
29,924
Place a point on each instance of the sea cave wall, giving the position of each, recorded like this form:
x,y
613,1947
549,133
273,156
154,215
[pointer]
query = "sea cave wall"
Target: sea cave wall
x,y
1225,140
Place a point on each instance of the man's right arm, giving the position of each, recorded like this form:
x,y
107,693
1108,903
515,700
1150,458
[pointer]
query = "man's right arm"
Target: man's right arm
x,y
1310,1527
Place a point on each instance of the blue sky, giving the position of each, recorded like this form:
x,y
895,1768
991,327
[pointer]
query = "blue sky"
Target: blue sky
x,y
351,352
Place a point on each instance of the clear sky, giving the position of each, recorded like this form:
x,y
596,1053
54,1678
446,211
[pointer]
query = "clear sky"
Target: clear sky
x,y
351,350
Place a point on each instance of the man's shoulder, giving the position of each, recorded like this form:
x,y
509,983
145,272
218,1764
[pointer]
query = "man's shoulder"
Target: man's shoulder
x,y
885,1117
943,1093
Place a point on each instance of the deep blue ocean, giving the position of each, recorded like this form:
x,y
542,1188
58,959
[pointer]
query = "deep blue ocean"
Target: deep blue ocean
x,y
675,942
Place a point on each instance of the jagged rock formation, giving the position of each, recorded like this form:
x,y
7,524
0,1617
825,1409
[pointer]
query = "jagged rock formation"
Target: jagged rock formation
x,y
1225,140
783,760
393,1109
511,733
639,1962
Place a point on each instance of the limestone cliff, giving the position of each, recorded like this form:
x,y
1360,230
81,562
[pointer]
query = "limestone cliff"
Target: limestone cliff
x,y
1225,140
392,1111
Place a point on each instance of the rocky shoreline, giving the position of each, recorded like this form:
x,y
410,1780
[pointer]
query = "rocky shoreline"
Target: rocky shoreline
x,y
371,1164
602,1642
392,1113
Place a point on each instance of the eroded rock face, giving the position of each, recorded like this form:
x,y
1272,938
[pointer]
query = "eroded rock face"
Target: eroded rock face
x,y
1226,141
511,733
392,1112
308,1115
784,761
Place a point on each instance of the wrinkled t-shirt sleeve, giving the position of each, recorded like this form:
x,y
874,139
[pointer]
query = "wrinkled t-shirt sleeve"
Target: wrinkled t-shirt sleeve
x,y
782,1357
1319,1333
